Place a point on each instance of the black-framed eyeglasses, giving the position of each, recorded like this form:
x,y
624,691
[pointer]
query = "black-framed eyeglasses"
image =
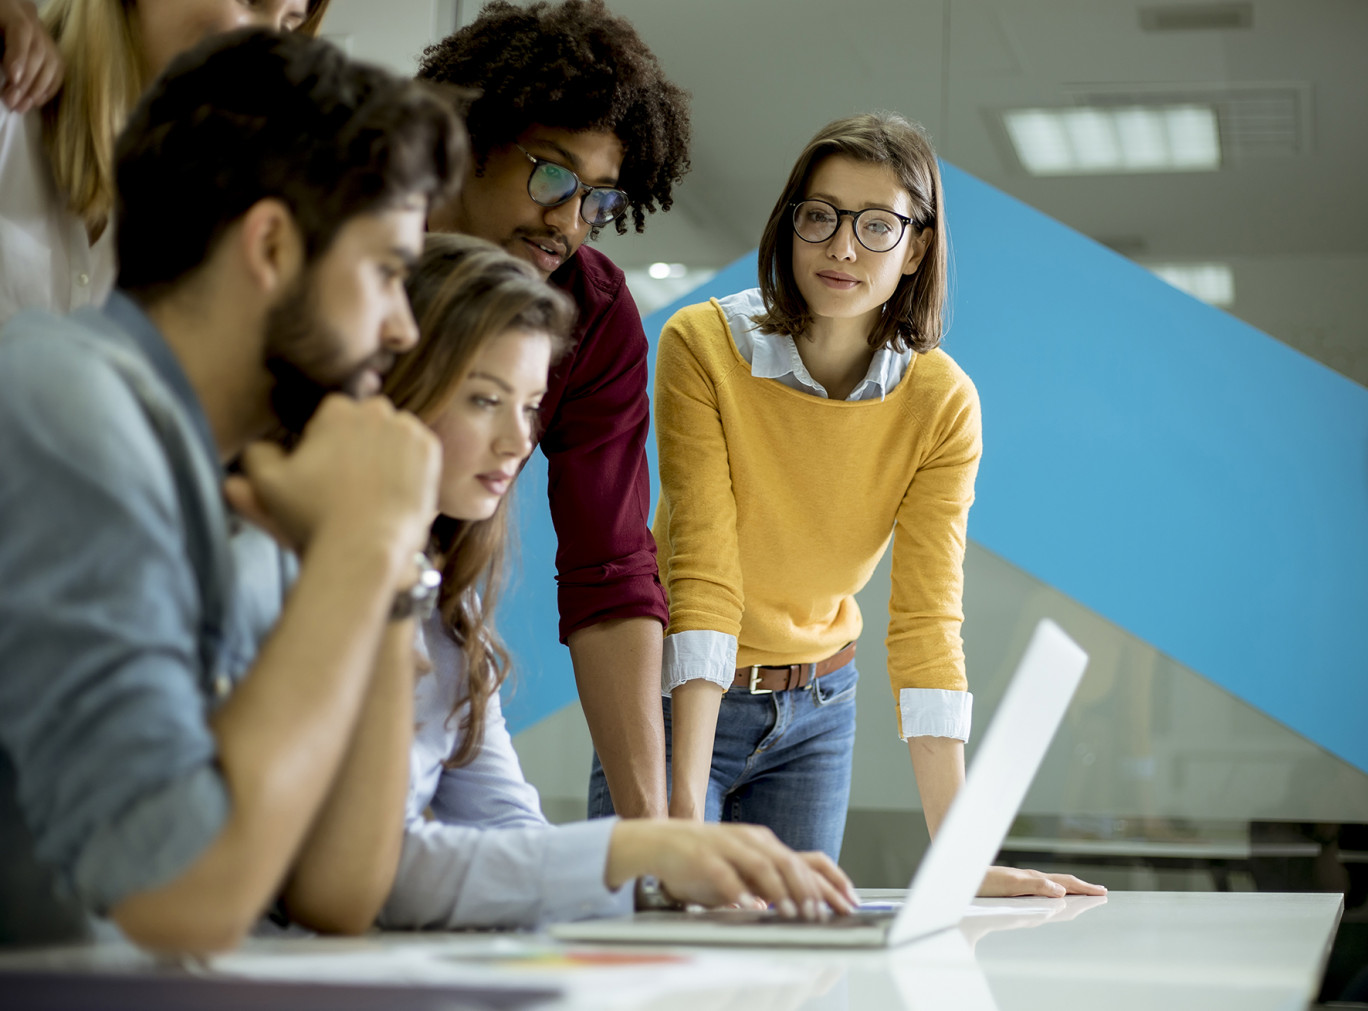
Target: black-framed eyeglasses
x,y
876,229
551,185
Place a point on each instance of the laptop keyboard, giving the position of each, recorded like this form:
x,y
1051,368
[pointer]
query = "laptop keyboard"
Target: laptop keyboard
x,y
769,917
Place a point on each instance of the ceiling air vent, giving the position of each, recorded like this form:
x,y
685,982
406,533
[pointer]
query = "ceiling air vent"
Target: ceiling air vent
x,y
1197,17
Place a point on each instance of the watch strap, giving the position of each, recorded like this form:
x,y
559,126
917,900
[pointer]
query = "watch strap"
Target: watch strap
x,y
417,600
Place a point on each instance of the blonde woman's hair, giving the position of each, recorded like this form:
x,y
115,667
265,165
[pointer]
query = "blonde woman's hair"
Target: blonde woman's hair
x,y
105,76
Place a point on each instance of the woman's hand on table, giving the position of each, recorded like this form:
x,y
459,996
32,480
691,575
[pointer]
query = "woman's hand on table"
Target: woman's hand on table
x,y
1001,882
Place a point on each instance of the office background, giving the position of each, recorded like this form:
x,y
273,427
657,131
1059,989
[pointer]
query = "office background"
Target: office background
x,y
1210,453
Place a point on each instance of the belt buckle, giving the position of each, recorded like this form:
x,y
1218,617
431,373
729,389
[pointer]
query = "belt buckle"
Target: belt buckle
x,y
755,680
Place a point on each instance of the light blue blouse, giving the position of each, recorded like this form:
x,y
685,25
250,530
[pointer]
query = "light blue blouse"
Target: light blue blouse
x,y
486,856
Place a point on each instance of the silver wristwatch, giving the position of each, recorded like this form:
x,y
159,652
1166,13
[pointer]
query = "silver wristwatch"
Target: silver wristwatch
x,y
417,600
650,894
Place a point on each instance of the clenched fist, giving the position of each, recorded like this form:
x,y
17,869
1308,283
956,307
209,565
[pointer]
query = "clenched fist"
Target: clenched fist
x,y
362,470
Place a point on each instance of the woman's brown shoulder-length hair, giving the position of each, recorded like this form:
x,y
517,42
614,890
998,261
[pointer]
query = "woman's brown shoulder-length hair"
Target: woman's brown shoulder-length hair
x,y
914,316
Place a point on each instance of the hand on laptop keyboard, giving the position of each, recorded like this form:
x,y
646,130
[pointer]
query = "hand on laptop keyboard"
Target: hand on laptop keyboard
x,y
719,865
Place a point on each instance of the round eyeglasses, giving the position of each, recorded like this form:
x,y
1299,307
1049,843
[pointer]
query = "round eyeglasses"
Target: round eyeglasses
x,y
876,229
551,185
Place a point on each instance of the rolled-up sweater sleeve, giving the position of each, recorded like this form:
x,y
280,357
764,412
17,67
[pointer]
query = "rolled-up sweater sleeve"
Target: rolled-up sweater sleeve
x,y
101,708
696,523
598,482
489,858
926,609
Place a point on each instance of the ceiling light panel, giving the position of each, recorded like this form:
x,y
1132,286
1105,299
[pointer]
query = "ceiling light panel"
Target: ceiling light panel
x,y
1096,140
1213,283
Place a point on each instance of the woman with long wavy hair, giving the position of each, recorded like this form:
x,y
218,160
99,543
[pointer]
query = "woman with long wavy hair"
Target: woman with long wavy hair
x,y
477,850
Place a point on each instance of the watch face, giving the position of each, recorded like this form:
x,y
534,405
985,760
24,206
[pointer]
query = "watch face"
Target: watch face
x,y
418,599
651,894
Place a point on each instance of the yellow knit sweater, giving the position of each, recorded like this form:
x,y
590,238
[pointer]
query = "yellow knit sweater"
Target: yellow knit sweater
x,y
777,505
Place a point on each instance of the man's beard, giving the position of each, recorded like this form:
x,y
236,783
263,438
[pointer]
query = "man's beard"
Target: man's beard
x,y
304,357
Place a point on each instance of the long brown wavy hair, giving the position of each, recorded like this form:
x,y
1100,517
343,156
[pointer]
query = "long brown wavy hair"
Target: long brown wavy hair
x,y
465,292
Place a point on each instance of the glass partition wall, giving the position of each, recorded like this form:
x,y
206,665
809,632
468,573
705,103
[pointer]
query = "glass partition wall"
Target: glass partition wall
x,y
1157,779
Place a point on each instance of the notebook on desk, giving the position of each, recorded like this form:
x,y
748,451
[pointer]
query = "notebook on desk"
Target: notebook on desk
x,y
952,869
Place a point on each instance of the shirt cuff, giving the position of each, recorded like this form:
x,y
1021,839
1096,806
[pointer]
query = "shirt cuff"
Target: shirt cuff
x,y
935,712
575,863
700,654
456,877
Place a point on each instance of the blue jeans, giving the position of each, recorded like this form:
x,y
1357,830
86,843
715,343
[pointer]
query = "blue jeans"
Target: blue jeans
x,y
781,760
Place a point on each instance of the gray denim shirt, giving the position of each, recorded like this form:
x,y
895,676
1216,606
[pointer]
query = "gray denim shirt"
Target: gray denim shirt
x,y
117,624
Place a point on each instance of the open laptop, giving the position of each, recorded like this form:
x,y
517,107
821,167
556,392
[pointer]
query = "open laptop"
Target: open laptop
x,y
952,869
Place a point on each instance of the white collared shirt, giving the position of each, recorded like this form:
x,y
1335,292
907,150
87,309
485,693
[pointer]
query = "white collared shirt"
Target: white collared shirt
x,y
775,356
711,656
46,258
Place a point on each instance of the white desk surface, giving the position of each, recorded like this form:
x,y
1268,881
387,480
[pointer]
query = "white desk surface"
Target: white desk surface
x,y
1166,950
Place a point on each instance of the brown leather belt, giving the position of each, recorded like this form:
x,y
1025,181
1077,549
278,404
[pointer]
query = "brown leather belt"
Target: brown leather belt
x,y
764,680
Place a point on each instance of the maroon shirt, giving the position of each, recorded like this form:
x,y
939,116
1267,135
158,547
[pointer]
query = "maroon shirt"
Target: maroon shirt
x,y
595,417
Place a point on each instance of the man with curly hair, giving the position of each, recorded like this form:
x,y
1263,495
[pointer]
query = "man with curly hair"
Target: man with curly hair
x,y
576,127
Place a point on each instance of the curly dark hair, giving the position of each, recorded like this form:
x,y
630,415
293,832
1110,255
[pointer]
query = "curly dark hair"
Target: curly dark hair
x,y
574,66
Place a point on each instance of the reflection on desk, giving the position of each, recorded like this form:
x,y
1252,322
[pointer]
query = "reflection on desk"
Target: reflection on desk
x,y
1218,858
1172,950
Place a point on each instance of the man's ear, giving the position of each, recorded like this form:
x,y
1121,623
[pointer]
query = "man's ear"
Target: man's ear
x,y
916,249
271,247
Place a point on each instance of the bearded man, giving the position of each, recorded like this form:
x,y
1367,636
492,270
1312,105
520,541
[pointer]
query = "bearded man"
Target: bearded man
x,y
158,774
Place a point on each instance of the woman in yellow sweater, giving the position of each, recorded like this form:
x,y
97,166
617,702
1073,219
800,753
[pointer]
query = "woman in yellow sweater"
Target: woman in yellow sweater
x,y
803,426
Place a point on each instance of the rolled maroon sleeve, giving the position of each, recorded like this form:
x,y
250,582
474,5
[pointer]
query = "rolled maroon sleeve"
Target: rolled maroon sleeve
x,y
595,445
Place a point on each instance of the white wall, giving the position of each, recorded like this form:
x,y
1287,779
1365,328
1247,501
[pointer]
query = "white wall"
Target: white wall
x,y
391,33
1313,303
